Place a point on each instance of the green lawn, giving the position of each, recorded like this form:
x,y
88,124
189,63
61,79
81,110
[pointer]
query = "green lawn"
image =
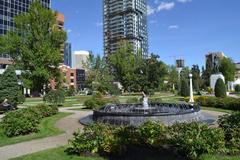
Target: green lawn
x,y
46,128
219,157
55,154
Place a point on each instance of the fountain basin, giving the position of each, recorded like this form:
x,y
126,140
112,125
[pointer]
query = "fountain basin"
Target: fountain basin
x,y
136,114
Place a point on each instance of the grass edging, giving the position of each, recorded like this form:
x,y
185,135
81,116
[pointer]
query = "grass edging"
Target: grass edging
x,y
46,129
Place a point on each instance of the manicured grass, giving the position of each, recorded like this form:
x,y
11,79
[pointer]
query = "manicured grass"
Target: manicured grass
x,y
80,109
46,128
217,110
55,154
219,157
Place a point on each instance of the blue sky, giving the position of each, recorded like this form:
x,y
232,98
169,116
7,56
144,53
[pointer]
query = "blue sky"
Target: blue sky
x,y
183,28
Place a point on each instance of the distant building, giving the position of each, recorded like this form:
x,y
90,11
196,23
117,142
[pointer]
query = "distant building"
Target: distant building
x,y
73,77
68,54
213,60
180,64
80,59
60,24
237,76
8,10
125,20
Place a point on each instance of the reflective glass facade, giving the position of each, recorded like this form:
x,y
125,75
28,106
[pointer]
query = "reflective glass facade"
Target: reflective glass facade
x,y
68,54
8,10
125,20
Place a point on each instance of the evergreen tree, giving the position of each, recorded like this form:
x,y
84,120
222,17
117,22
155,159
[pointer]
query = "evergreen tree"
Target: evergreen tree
x,y
35,45
220,89
185,89
9,87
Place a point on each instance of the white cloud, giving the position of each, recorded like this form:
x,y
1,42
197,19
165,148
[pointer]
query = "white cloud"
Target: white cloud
x,y
165,6
184,1
150,10
173,27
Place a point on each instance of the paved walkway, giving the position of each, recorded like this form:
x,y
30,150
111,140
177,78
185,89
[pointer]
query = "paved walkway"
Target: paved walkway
x,y
68,124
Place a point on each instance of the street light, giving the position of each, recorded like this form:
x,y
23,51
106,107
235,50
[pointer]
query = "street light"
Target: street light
x,y
191,100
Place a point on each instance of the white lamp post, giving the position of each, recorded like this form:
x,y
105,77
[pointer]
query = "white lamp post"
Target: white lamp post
x,y
191,100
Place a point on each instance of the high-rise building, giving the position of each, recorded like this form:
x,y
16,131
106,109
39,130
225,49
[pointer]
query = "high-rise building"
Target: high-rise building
x,y
213,60
8,10
68,54
125,20
80,58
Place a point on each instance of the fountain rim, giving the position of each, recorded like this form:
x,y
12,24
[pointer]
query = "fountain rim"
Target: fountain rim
x,y
100,112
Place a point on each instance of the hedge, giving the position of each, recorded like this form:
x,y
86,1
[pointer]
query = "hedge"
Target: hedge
x,y
190,139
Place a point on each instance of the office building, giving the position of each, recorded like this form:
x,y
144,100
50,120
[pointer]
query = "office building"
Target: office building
x,y
213,60
80,59
68,54
74,77
237,76
125,20
8,10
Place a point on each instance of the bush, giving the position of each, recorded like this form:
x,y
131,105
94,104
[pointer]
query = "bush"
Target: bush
x,y
21,98
191,140
155,100
25,121
231,127
220,89
224,103
55,97
20,122
195,139
185,90
237,88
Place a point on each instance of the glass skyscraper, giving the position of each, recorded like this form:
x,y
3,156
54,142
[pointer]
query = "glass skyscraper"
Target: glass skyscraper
x,y
125,20
68,54
8,10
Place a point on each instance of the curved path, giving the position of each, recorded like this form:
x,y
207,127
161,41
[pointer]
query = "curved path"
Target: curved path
x,y
68,124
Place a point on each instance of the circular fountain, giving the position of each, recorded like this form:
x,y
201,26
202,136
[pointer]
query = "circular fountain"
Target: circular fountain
x,y
136,114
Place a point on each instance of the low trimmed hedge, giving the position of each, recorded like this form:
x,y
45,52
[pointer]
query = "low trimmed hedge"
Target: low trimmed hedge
x,y
224,103
25,121
191,140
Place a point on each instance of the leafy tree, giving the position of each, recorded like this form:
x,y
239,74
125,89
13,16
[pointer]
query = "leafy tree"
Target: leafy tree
x,y
220,89
9,87
185,90
237,88
35,45
197,80
228,69
99,75
173,77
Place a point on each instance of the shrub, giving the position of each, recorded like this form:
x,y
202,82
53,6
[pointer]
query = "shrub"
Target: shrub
x,y
224,103
237,88
20,122
152,134
220,89
55,97
184,90
21,98
195,139
25,121
133,100
231,127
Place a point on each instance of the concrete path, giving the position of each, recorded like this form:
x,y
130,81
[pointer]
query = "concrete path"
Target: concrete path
x,y
68,124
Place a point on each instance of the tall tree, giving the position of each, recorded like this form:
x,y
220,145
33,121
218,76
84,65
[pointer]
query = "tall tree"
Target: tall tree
x,y
197,80
9,87
173,77
35,45
228,69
